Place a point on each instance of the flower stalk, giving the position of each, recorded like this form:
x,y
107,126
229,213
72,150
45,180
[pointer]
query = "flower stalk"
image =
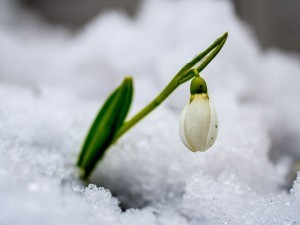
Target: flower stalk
x,y
184,75
109,126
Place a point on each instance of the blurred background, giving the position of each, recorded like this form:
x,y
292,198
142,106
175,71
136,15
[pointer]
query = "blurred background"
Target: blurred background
x,y
87,46
77,13
60,59
275,22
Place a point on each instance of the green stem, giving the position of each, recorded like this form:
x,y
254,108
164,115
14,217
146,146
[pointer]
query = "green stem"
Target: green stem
x,y
185,74
151,106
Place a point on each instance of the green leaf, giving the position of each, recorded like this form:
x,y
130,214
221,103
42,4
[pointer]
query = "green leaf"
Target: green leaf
x,y
108,121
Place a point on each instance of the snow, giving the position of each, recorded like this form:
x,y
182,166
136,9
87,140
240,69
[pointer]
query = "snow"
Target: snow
x,y
53,82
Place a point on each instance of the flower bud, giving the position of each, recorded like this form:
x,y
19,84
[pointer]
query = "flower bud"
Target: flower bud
x,y
198,127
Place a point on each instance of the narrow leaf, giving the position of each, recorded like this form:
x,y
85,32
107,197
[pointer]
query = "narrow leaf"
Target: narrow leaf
x,y
109,119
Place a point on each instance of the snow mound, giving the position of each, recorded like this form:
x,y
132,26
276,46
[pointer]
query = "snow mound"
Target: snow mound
x,y
53,82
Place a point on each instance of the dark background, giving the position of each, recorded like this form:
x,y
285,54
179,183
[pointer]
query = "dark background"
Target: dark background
x,y
275,22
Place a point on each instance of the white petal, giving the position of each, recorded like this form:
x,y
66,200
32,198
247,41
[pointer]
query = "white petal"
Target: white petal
x,y
197,122
214,127
181,128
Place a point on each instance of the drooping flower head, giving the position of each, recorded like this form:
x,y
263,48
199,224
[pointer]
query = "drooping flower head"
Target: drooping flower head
x,y
198,127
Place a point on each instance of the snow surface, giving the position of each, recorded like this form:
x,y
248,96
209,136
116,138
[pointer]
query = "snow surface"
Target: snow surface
x,y
53,82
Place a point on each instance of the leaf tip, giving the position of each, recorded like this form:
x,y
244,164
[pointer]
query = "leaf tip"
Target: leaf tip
x,y
128,79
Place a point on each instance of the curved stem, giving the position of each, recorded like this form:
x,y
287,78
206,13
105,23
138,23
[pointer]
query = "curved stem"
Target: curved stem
x,y
185,74
146,110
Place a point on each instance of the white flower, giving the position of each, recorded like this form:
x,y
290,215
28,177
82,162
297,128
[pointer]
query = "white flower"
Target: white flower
x,y
198,127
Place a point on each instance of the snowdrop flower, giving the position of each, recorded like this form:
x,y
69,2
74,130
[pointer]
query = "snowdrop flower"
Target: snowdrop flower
x,y
198,127
111,122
